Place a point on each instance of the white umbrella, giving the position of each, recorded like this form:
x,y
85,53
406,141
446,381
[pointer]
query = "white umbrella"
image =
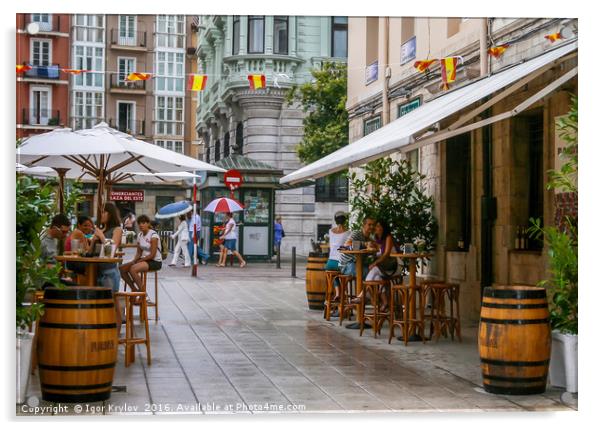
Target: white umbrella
x,y
103,154
36,171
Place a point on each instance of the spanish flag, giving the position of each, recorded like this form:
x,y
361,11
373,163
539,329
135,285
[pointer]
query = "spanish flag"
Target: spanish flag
x,y
75,71
423,65
256,81
138,76
498,51
21,68
553,37
197,82
448,70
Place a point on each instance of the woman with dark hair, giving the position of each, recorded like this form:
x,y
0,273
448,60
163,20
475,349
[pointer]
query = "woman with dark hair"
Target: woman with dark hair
x,y
337,236
83,233
148,255
110,229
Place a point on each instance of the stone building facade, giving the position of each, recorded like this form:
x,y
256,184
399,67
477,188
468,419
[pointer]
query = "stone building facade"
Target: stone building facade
x,y
487,183
232,118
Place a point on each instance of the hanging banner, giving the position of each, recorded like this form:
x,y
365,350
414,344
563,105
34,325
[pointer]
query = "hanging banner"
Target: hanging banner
x,y
408,51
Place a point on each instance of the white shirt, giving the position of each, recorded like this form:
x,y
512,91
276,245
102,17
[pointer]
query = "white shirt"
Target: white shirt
x,y
336,240
144,242
195,219
231,225
182,232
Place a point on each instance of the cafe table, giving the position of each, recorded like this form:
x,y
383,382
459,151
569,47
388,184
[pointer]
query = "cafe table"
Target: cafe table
x,y
359,279
91,265
412,259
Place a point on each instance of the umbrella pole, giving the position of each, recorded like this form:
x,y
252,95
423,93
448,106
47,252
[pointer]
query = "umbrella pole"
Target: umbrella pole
x,y
194,238
61,172
101,181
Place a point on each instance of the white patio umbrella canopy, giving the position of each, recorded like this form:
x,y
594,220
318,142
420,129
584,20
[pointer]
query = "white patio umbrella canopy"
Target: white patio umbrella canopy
x,y
36,171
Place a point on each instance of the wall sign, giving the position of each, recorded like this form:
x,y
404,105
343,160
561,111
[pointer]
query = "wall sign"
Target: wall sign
x,y
127,196
408,51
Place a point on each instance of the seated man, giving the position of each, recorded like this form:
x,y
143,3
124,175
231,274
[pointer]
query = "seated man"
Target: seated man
x,y
58,230
347,261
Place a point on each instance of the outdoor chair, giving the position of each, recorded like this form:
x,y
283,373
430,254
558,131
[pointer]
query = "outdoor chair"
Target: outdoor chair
x,y
375,316
444,314
401,314
346,291
130,339
330,304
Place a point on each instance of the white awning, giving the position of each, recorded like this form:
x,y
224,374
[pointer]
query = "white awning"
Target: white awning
x,y
399,133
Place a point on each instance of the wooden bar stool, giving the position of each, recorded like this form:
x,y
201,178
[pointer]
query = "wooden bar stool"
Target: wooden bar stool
x,y
38,296
445,297
402,296
376,316
130,338
329,303
155,303
346,291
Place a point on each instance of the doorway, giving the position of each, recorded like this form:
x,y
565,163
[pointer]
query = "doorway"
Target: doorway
x,y
126,112
40,102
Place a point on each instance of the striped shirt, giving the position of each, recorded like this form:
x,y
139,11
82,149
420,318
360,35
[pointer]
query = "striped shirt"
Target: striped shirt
x,y
347,258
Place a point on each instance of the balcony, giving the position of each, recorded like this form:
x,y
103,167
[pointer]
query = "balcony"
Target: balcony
x,y
41,118
134,42
135,128
43,72
118,84
53,26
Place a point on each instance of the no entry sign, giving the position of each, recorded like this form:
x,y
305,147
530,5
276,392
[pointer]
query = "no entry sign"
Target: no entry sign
x,y
233,179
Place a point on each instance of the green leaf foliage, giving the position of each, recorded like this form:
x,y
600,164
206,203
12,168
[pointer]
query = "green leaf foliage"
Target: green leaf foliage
x,y
326,125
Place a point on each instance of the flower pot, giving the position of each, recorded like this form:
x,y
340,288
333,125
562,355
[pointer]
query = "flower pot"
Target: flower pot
x,y
24,345
563,361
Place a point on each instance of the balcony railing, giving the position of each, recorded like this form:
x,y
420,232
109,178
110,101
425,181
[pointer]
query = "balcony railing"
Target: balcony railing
x,y
43,117
118,81
54,23
135,128
44,72
138,39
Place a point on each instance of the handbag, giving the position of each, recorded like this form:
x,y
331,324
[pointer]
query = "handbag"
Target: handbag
x,y
388,267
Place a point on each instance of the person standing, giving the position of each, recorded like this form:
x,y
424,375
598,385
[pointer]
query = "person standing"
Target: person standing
x,y
192,222
182,242
278,234
230,238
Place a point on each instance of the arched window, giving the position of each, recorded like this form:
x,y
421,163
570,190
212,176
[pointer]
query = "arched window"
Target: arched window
x,y
239,138
226,144
218,150
208,154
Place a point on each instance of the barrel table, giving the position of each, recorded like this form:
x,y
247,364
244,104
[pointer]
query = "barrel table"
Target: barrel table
x,y
514,340
77,344
315,282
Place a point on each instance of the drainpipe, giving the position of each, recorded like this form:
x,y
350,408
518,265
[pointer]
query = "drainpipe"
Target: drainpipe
x,y
386,106
483,47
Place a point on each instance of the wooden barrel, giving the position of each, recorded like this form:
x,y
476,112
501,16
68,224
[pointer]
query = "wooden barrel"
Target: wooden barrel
x,y
514,340
77,344
315,282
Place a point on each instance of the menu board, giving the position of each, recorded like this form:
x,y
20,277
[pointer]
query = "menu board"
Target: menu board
x,y
257,207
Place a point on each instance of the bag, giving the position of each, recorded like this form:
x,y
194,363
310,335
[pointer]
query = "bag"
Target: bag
x,y
388,267
283,234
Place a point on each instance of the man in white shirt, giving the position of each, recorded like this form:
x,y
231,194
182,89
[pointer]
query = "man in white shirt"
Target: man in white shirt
x,y
230,237
192,221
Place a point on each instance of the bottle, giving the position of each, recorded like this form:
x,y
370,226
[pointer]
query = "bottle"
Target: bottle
x,y
522,239
461,243
525,238
517,238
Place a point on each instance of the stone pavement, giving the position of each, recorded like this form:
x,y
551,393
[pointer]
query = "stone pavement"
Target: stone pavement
x,y
243,341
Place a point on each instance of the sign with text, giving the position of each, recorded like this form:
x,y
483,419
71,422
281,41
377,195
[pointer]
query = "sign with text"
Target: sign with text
x,y
127,195
408,51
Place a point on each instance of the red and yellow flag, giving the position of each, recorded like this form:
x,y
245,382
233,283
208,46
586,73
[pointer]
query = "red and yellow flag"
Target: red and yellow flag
x,y
553,37
422,65
448,70
138,76
22,68
498,51
75,71
256,81
197,82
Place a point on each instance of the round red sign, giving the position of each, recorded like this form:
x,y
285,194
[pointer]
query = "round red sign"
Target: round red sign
x,y
233,179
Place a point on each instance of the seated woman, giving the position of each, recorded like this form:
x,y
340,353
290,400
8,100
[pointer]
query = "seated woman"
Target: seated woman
x,y
384,266
83,234
337,236
148,255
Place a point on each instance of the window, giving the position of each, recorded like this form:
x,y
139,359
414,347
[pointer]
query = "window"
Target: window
x,y
89,58
371,40
170,31
235,35
458,198
207,153
127,30
407,29
281,35
256,34
404,108
333,188
126,117
89,28
453,26
44,20
41,52
125,67
371,125
239,138
323,229
226,144
218,150
172,145
88,107
339,36
413,158
169,115
170,72
40,105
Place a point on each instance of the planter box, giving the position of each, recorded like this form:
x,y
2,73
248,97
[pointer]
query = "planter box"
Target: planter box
x,y
563,361
24,346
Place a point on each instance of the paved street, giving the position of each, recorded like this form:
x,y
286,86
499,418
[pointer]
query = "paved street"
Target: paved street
x,y
240,340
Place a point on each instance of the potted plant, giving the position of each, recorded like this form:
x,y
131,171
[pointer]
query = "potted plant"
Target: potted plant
x,y
561,242
34,205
